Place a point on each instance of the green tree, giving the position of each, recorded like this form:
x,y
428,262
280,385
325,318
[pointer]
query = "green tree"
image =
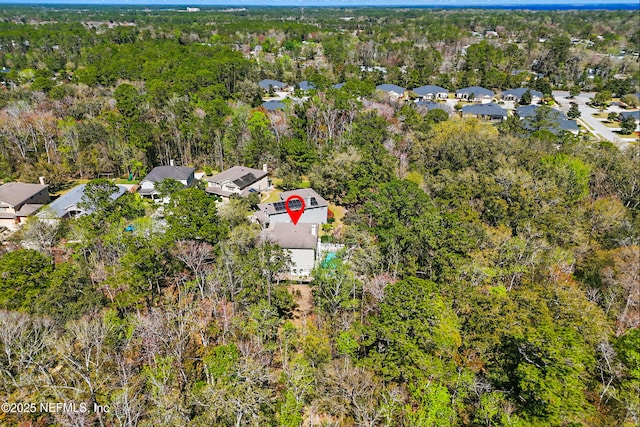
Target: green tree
x,y
98,194
574,91
526,98
192,214
574,112
23,278
628,125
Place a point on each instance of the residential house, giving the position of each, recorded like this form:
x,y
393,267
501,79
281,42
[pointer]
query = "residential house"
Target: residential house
x,y
475,94
306,85
300,241
67,205
491,111
18,200
338,85
634,114
238,180
394,92
315,212
182,174
269,84
273,105
557,120
516,95
431,92
432,105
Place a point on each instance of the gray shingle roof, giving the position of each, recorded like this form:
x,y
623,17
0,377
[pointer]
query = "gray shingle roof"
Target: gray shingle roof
x,y
16,193
160,173
305,85
312,200
478,91
289,236
273,105
518,92
391,88
429,90
634,114
530,110
264,84
490,109
69,200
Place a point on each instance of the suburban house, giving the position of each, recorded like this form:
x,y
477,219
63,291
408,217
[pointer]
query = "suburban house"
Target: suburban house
x,y
394,92
431,92
238,180
634,114
18,200
183,174
315,212
516,95
269,84
273,105
491,111
66,206
475,94
306,85
300,241
432,105
558,121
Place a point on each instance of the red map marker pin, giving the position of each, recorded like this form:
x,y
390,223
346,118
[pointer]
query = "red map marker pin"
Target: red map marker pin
x,y
295,208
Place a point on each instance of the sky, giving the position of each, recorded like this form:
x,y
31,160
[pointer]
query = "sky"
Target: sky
x,y
343,3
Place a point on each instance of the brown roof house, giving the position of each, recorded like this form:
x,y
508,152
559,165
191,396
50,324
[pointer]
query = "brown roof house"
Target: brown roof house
x,y
238,180
19,200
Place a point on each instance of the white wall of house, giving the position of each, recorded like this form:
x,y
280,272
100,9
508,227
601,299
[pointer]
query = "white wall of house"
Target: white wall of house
x,y
302,261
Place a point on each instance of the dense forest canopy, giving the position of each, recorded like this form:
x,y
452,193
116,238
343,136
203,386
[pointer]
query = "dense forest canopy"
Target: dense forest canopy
x,y
489,274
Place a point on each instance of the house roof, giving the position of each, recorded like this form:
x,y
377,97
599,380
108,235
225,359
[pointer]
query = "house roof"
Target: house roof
x,y
338,85
16,193
290,236
312,200
160,173
264,84
429,90
490,109
634,114
273,105
476,90
530,110
558,125
69,201
241,176
391,88
305,85
518,92
431,105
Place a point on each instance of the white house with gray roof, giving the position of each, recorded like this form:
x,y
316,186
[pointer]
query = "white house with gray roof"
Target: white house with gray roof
x,y
182,174
299,241
239,180
516,95
475,94
431,92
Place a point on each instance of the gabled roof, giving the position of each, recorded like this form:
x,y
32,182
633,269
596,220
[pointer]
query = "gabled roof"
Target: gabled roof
x,y
338,85
241,176
518,92
264,84
530,110
305,85
16,193
431,105
558,125
476,90
634,114
429,90
290,236
273,105
160,173
69,201
490,109
386,87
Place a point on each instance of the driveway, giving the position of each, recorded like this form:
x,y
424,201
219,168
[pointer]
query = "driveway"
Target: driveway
x,y
595,126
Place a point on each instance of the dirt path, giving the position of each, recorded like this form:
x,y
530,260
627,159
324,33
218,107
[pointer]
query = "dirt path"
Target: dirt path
x,y
304,299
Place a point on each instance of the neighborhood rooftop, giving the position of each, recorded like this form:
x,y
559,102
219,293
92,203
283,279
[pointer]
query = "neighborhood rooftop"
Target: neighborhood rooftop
x,y
160,173
60,207
290,236
241,176
16,193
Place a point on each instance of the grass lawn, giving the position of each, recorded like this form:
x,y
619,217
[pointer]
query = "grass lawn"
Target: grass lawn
x,y
612,125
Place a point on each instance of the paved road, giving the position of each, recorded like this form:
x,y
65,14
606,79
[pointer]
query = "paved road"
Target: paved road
x,y
597,127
